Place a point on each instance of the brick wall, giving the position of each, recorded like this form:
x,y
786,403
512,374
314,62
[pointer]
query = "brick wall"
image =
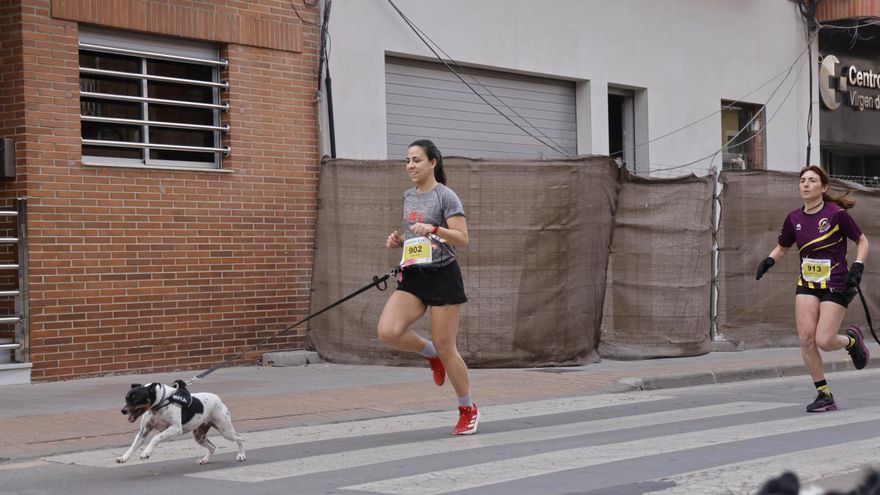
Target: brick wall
x,y
11,84
830,10
11,125
266,24
157,270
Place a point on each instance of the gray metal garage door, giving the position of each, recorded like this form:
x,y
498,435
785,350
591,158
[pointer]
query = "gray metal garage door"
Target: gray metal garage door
x,y
425,100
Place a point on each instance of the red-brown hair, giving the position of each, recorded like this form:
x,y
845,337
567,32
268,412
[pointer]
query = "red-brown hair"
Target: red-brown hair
x,y
841,201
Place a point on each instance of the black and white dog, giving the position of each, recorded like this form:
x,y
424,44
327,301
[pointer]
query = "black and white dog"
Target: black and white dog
x,y
173,411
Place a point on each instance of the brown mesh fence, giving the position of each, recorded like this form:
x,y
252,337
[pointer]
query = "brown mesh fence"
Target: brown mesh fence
x,y
534,270
754,205
658,302
546,283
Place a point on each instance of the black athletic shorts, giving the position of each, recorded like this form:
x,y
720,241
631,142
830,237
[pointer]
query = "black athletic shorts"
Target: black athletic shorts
x,y
839,296
435,286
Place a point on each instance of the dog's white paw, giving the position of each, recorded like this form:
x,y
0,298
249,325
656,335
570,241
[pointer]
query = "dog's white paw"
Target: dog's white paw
x,y
240,458
204,460
144,457
121,460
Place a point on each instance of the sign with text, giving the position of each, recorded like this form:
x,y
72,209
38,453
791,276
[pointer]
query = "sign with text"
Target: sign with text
x,y
860,86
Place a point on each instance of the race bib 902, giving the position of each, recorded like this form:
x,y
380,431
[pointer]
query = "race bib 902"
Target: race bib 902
x,y
416,251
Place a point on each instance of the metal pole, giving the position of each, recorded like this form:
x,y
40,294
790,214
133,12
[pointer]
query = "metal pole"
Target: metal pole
x,y
22,330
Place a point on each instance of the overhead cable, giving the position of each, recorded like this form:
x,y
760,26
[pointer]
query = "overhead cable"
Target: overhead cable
x,y
554,146
728,106
746,126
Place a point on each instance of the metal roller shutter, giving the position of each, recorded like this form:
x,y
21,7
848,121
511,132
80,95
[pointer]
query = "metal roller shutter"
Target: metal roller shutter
x,y
425,100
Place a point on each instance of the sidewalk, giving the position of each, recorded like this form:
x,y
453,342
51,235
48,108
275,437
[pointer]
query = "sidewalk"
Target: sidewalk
x,y
76,415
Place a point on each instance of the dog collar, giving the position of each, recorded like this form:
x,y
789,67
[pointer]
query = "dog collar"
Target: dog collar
x,y
180,397
160,405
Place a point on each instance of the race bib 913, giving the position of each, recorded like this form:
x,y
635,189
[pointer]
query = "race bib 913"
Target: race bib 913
x,y
815,270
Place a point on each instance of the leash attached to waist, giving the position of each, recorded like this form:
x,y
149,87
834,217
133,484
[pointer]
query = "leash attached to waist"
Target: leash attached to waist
x,y
867,315
380,283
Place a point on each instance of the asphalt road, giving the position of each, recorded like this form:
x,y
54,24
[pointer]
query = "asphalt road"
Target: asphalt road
x,y
716,439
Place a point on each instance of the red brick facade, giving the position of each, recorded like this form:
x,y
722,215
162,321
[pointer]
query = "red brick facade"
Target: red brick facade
x,y
831,10
155,270
11,79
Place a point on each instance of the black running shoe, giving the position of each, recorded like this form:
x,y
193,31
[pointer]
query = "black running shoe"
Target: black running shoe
x,y
823,402
859,351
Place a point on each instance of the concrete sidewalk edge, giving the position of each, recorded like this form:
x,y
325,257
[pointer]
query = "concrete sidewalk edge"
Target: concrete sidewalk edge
x,y
330,393
728,376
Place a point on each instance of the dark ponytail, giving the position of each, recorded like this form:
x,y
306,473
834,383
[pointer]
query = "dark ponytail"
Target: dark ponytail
x,y
432,153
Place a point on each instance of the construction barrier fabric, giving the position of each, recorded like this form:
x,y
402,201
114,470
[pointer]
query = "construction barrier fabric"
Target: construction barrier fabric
x,y
657,303
570,260
753,207
534,270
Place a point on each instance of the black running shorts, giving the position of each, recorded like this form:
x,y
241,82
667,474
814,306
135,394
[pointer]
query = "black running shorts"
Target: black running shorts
x,y
840,296
435,286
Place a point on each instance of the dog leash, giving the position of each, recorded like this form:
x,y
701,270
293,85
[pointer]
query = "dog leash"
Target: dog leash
x,y
380,283
867,314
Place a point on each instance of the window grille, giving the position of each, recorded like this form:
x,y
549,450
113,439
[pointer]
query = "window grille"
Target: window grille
x,y
150,106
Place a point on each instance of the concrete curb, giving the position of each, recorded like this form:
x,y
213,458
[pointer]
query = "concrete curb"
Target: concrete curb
x,y
729,376
291,358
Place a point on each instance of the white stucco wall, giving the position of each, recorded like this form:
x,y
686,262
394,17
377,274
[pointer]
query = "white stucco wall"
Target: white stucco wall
x,y
688,54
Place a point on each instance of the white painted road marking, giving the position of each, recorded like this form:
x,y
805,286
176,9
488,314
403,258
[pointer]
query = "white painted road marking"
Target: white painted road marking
x,y
363,457
744,477
489,473
185,449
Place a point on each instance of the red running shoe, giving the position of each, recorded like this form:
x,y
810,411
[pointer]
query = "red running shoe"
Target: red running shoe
x,y
468,419
438,369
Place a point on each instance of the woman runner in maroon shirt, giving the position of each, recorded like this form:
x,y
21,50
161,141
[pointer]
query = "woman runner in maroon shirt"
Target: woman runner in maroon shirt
x,y
825,286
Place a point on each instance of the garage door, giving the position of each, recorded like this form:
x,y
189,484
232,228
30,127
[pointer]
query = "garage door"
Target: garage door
x,y
425,100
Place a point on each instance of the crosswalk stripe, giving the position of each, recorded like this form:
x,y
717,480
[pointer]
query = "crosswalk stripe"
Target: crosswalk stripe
x,y
749,476
184,449
489,473
354,458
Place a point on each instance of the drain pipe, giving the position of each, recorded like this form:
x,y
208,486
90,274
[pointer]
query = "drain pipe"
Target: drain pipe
x,y
324,64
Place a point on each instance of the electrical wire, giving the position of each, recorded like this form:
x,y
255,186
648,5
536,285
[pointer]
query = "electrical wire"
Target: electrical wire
x,y
559,149
729,106
749,123
464,71
811,30
295,11
746,126
810,101
324,65
856,35
871,21
417,31
326,42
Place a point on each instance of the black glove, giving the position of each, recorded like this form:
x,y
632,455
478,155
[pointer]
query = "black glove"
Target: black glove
x,y
854,276
764,266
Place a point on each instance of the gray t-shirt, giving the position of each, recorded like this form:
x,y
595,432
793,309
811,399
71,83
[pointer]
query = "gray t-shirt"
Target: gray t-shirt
x,y
432,207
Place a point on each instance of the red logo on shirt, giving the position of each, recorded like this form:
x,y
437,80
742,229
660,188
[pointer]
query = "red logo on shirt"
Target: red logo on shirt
x,y
416,216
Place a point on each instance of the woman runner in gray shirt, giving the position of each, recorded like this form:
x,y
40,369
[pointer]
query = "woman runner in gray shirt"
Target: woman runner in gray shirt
x,y
433,226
